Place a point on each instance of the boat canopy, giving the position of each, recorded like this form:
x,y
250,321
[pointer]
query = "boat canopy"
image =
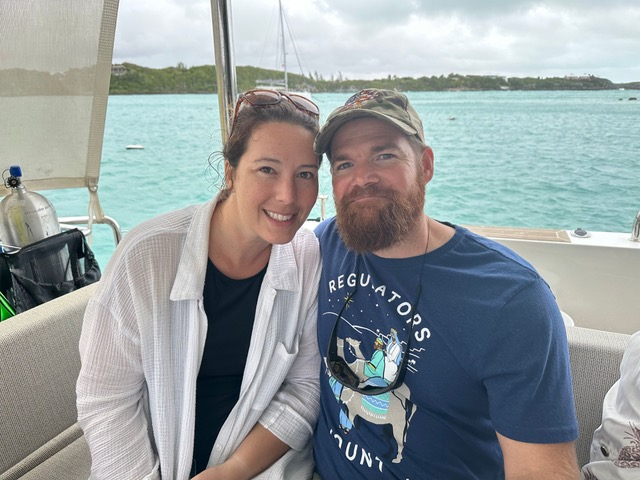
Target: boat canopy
x,y
54,84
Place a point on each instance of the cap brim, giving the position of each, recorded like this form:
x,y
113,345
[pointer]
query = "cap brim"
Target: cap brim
x,y
329,129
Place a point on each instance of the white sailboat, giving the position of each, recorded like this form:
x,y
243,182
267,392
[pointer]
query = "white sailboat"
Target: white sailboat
x,y
283,83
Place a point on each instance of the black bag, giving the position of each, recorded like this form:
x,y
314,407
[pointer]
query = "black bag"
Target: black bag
x,y
47,269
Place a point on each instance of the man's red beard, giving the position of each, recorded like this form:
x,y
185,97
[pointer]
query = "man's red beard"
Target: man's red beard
x,y
381,221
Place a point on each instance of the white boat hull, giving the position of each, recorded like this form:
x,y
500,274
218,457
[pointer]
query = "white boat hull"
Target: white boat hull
x,y
595,280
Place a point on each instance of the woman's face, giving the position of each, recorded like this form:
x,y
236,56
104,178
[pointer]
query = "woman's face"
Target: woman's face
x,y
275,184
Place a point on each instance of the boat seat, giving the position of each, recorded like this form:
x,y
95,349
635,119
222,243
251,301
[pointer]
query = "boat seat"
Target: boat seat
x,y
74,462
595,366
39,365
566,318
40,361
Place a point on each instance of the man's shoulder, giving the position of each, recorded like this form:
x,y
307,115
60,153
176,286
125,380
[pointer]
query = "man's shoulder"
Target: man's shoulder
x,y
493,251
327,234
326,227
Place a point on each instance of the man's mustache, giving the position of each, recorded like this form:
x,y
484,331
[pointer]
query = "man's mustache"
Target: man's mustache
x,y
369,191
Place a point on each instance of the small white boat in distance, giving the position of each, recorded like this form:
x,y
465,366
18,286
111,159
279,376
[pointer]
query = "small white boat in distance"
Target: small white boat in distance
x,y
134,147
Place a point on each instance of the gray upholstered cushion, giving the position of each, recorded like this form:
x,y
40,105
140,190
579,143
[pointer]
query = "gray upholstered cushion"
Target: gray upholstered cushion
x,y
39,365
67,448
595,366
72,463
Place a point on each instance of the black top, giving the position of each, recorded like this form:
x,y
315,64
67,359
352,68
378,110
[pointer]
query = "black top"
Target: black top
x,y
230,306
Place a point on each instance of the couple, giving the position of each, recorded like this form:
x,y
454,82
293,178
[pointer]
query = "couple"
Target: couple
x,y
200,348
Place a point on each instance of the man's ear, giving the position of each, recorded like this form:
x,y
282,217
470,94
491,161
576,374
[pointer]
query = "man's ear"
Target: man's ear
x,y
427,164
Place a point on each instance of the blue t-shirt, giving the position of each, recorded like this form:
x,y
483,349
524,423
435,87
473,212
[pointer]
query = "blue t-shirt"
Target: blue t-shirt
x,y
488,353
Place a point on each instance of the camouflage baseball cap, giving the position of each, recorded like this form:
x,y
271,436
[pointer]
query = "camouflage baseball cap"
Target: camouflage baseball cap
x,y
392,107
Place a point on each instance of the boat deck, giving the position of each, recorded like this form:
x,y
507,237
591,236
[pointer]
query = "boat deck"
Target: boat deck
x,y
539,234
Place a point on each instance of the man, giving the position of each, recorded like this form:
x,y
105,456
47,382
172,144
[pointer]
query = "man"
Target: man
x,y
483,388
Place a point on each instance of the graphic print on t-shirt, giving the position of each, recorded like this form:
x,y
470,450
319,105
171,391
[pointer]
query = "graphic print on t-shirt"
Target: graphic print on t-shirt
x,y
375,356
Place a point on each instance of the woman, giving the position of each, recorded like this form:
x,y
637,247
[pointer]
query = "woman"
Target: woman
x,y
204,320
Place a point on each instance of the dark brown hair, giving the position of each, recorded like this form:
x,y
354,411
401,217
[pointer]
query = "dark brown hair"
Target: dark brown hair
x,y
249,118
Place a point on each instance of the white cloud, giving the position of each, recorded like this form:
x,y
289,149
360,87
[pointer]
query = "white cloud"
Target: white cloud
x,y
364,39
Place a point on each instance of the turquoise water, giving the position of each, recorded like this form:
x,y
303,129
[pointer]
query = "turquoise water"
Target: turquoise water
x,y
521,159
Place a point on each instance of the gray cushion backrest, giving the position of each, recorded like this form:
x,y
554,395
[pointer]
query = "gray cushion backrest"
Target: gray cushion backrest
x,y
595,367
39,365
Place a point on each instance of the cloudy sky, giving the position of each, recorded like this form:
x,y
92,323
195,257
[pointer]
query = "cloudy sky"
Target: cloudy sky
x,y
365,39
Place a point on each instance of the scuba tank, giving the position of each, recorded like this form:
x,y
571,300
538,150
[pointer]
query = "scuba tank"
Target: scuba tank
x,y
25,216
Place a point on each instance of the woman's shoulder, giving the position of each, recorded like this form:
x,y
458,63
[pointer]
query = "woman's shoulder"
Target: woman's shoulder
x,y
152,238
305,242
302,252
165,222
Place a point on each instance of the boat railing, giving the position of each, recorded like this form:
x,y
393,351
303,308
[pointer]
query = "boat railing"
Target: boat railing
x,y
323,206
68,222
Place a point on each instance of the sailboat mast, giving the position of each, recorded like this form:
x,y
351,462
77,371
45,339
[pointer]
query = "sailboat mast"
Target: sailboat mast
x,y
284,48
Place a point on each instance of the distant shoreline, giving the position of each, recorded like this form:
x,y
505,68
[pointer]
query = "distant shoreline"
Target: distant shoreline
x,y
131,79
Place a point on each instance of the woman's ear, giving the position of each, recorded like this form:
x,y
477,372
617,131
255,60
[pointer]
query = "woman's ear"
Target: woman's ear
x,y
228,176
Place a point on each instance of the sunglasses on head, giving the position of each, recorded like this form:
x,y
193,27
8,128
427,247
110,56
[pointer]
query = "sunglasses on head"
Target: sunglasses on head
x,y
343,373
260,98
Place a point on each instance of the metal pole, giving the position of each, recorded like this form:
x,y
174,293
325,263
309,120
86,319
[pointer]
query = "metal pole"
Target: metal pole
x,y
225,65
284,46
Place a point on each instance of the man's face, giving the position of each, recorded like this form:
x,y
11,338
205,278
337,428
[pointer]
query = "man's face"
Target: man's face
x,y
378,184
